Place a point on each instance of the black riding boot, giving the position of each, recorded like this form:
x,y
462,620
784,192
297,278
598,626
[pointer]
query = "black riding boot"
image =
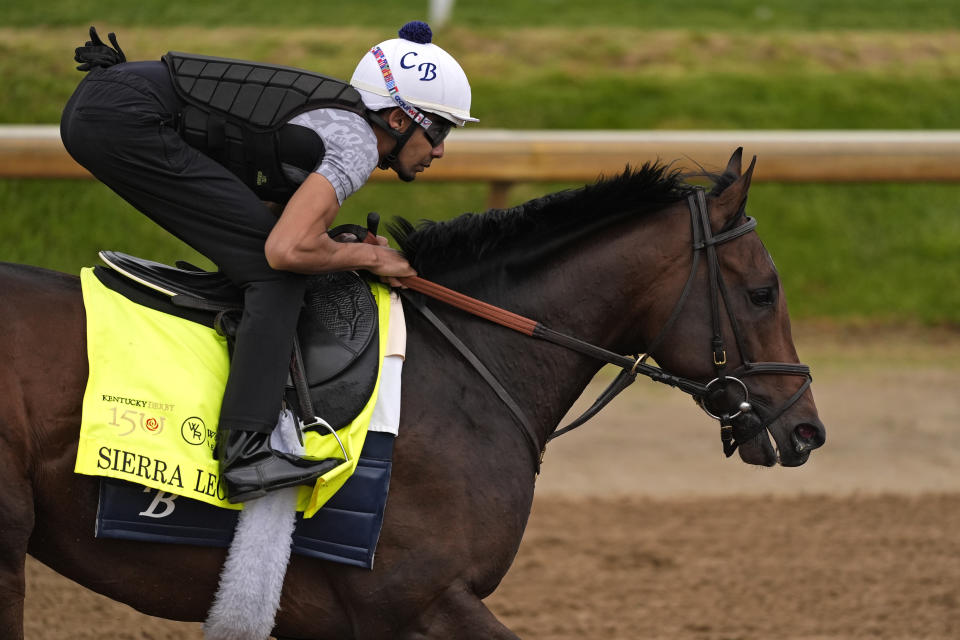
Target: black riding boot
x,y
249,467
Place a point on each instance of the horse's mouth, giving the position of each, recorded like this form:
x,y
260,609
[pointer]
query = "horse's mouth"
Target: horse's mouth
x,y
762,450
792,450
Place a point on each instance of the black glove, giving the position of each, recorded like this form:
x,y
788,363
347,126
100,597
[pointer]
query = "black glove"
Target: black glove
x,y
96,54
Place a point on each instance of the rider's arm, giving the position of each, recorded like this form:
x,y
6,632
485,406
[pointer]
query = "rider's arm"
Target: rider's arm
x,y
299,241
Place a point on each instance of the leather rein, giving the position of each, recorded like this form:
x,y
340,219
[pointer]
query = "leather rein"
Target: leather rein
x,y
704,242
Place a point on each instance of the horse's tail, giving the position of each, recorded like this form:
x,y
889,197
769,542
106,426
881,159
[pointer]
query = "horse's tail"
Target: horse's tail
x,y
95,53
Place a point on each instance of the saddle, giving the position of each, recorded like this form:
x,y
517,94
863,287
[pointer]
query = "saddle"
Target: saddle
x,y
336,357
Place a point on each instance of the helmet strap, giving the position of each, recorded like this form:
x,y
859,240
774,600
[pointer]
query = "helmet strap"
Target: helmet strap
x,y
400,137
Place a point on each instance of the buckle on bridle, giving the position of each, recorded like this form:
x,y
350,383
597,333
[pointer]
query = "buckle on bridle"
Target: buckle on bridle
x,y
721,361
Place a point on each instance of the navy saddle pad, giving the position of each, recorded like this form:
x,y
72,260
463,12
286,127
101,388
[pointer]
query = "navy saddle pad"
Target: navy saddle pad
x,y
345,530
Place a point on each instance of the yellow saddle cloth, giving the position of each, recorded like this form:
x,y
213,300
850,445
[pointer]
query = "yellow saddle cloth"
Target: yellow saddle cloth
x,y
152,401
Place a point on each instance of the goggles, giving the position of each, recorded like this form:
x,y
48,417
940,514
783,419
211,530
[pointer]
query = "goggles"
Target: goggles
x,y
437,131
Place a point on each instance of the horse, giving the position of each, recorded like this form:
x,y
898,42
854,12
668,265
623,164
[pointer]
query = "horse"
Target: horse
x,y
609,263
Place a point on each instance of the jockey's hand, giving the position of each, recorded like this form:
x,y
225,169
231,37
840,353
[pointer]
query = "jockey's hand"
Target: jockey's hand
x,y
97,54
392,265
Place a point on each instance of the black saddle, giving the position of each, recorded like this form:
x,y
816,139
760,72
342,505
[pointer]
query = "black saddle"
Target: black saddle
x,y
337,334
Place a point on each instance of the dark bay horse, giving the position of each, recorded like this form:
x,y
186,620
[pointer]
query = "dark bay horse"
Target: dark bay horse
x,y
606,263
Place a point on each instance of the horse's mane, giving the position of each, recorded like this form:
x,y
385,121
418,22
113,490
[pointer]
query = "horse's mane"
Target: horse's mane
x,y
551,219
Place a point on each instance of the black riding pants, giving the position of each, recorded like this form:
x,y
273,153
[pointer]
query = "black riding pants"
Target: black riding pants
x,y
117,126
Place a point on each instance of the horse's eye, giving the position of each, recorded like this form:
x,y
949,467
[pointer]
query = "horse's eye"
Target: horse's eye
x,y
762,297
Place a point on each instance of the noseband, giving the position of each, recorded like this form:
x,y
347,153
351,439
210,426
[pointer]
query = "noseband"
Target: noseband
x,y
704,243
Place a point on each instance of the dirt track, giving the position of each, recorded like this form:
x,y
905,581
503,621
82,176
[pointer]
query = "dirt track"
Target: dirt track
x,y
641,529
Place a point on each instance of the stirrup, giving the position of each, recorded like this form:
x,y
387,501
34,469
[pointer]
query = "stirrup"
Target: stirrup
x,y
320,422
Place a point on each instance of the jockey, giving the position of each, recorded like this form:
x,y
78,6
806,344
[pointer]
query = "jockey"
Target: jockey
x,y
202,146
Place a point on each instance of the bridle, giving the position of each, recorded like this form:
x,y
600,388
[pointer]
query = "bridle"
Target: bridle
x,y
704,243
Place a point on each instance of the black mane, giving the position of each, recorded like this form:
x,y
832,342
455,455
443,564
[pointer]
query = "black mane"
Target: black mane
x,y
432,246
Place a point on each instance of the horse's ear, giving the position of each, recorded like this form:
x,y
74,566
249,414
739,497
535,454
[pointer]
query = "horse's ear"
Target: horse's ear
x,y
733,167
732,198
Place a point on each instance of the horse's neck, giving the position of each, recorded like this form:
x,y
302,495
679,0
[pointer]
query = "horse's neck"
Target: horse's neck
x,y
596,291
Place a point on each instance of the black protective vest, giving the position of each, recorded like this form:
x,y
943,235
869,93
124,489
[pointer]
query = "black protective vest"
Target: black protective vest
x,y
236,112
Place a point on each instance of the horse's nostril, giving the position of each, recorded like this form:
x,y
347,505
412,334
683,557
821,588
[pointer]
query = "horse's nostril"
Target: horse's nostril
x,y
808,434
806,431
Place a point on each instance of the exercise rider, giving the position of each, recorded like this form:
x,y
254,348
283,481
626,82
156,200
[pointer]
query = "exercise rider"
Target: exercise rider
x,y
200,145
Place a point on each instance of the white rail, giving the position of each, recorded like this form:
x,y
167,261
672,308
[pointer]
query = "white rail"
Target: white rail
x,y
504,157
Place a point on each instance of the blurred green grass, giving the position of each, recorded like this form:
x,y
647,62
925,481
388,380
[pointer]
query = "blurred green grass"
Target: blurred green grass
x,y
854,254
578,78
840,252
708,14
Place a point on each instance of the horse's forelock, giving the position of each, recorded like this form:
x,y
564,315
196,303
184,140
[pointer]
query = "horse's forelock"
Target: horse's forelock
x,y
720,181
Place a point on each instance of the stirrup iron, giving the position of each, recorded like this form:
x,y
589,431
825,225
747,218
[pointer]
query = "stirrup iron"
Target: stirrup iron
x,y
320,422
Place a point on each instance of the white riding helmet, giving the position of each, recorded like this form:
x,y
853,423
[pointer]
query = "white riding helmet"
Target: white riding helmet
x,y
419,73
